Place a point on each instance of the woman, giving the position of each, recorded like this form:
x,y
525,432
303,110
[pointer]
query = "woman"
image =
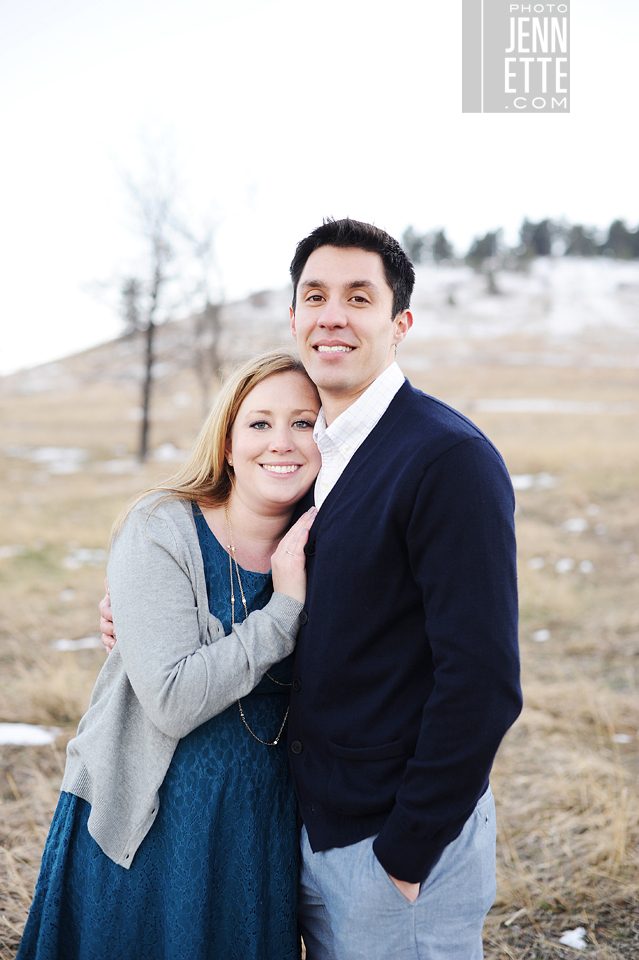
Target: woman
x,y
175,832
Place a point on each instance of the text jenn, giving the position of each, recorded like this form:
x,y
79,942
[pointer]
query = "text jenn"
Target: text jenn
x,y
546,34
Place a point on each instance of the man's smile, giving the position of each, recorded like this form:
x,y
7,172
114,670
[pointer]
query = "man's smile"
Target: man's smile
x,y
333,347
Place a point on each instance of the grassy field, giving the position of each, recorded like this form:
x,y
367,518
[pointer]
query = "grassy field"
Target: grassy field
x,y
566,777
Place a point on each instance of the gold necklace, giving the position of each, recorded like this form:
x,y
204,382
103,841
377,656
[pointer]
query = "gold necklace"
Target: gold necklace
x,y
233,560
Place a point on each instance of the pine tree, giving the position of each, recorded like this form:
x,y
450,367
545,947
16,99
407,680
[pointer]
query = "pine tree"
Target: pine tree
x,y
621,242
483,248
442,249
580,242
413,244
537,237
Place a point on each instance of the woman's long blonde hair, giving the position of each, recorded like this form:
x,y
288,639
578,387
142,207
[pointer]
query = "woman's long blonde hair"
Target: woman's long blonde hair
x,y
206,476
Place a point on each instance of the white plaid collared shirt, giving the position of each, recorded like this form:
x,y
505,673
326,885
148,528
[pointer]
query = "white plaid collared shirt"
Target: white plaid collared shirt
x,y
338,443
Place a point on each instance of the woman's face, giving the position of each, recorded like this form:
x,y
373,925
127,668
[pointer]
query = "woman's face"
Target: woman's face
x,y
271,446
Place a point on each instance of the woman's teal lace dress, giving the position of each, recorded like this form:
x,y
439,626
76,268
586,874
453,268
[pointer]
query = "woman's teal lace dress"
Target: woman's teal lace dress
x,y
215,878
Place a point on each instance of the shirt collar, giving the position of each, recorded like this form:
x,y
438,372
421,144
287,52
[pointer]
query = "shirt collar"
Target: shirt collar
x,y
366,411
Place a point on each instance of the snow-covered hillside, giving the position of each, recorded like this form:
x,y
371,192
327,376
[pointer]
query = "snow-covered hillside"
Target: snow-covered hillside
x,y
558,312
557,298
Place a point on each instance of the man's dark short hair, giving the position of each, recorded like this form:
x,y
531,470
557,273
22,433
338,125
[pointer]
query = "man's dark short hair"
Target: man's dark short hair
x,y
398,269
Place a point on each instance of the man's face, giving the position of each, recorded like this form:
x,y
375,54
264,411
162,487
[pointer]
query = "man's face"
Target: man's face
x,y
343,321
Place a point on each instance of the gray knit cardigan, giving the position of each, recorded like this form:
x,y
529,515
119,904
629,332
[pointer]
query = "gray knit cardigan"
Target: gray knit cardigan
x,y
171,670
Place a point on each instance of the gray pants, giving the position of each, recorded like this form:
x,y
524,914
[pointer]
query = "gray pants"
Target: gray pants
x,y
350,909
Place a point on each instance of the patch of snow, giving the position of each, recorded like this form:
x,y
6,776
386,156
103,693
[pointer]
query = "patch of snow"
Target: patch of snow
x,y
14,550
586,566
60,459
27,734
622,738
575,525
54,459
530,481
522,481
84,643
84,557
547,405
52,376
545,481
536,563
565,565
169,453
540,636
574,938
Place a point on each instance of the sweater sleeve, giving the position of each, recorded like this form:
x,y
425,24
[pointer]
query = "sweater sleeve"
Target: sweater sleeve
x,y
462,553
180,678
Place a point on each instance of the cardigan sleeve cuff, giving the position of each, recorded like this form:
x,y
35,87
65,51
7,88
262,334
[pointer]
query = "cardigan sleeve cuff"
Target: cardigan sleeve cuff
x,y
403,855
287,611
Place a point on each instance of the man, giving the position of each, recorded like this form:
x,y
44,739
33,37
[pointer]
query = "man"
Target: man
x,y
407,674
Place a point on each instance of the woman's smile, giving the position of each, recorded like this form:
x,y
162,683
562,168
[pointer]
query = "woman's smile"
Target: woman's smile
x,y
281,467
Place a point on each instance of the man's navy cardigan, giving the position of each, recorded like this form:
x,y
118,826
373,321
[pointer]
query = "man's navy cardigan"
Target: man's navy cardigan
x,y
406,673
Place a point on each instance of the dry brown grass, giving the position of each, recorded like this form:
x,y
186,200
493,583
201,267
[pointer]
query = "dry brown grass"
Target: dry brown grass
x,y
566,791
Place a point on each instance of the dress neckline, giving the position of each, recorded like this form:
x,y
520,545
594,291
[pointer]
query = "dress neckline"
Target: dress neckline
x,y
208,533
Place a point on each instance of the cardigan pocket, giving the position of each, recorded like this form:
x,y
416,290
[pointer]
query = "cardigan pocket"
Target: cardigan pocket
x,y
364,780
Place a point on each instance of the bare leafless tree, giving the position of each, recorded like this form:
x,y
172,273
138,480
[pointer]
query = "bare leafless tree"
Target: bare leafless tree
x,y
145,298
177,276
207,362
207,321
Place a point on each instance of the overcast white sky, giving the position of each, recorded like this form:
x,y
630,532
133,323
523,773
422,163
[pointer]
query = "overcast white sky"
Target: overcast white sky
x,y
282,112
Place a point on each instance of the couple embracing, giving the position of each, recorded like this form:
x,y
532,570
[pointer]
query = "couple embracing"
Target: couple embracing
x,y
316,661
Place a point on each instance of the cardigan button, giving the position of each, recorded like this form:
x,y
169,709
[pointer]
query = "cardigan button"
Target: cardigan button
x,y
303,617
309,549
296,747
297,684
